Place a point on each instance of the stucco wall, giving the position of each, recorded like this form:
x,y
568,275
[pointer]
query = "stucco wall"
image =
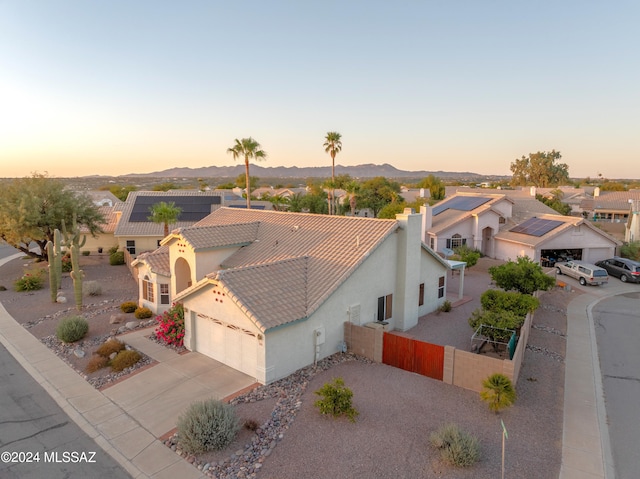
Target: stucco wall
x,y
143,243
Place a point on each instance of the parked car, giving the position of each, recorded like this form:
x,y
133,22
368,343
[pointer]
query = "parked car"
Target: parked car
x,y
623,268
586,273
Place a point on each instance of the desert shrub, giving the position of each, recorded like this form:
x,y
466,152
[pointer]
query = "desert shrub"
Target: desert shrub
x,y
112,250
518,303
67,265
72,329
466,254
111,346
86,253
631,250
125,359
498,392
116,258
446,306
30,281
96,362
171,326
91,288
143,313
129,306
206,426
336,400
456,447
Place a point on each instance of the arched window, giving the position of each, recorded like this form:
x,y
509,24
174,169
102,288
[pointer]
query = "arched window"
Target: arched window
x,y
455,241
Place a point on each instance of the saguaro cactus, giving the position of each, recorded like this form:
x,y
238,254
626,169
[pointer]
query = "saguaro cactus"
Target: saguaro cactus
x,y
57,260
77,275
53,279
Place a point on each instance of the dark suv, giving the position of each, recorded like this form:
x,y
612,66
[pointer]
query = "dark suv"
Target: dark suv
x,y
623,268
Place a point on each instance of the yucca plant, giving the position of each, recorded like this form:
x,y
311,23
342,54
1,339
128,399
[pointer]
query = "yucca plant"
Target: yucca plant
x,y
498,392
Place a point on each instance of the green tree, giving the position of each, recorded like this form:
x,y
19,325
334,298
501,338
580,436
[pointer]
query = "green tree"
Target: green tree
x,y
333,146
378,192
248,149
241,181
631,250
119,191
522,275
434,185
165,213
540,169
166,186
32,208
555,203
613,186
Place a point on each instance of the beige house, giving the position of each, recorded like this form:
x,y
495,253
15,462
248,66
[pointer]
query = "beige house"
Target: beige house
x,y
268,292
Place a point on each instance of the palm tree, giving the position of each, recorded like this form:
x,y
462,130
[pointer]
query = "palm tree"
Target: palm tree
x,y
498,392
165,213
249,149
333,146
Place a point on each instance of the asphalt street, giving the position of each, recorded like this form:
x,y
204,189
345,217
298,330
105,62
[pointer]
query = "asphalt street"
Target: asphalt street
x,y
37,439
617,324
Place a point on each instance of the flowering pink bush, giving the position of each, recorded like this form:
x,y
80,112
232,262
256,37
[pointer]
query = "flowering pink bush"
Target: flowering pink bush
x,y
171,326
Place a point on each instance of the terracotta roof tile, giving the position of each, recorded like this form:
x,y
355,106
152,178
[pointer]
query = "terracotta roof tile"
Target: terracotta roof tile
x,y
158,261
201,237
333,247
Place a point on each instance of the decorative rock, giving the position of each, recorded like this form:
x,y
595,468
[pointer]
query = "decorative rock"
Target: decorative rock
x,y
121,329
112,356
117,318
79,353
61,299
132,325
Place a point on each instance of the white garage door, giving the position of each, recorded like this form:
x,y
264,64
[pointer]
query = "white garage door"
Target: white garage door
x,y
233,346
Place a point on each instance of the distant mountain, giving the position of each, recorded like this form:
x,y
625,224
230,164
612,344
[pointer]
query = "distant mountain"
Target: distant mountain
x,y
358,171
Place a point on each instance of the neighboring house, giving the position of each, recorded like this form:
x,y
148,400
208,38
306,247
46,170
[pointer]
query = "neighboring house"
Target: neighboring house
x,y
609,206
268,292
105,240
507,226
135,233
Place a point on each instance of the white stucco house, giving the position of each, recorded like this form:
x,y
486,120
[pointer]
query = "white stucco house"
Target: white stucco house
x,y
268,292
505,227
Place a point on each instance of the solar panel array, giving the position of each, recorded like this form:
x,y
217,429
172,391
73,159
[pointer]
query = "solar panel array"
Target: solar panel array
x,y
461,203
194,208
536,227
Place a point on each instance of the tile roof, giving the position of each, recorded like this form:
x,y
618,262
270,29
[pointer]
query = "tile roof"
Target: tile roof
x,y
201,237
158,261
448,217
148,228
110,220
332,247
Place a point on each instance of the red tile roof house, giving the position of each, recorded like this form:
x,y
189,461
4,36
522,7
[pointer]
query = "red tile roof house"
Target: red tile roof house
x,y
268,292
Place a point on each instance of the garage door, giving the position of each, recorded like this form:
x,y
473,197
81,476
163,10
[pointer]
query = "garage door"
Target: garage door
x,y
233,346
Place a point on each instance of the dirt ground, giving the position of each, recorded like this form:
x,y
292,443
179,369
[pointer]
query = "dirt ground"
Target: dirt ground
x,y
398,410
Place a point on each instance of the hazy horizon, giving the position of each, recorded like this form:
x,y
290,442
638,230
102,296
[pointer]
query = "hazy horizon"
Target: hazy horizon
x,y
123,88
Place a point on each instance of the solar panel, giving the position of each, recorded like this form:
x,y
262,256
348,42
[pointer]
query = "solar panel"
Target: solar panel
x,y
461,203
194,208
536,226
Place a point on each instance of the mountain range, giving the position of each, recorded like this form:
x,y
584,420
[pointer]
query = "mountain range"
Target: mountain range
x,y
358,171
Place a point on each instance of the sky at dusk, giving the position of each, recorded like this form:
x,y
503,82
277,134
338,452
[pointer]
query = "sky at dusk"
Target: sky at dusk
x,y
117,87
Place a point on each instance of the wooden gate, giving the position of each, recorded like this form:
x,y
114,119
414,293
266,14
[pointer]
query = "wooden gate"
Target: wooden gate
x,y
413,355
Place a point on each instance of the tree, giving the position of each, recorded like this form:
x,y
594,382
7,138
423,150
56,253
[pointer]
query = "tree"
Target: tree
x,y
434,185
555,203
165,213
120,192
522,275
166,186
32,208
498,392
378,192
241,181
540,169
333,146
249,149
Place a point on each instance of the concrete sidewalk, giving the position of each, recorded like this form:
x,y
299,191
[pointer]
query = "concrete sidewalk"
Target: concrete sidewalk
x,y
128,418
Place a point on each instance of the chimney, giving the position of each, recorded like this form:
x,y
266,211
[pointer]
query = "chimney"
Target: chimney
x,y
405,308
427,218
596,192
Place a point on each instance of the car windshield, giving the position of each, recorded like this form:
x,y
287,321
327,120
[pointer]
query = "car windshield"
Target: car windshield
x,y
600,272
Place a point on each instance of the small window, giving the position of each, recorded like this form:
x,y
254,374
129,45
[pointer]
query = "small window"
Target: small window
x,y
432,243
502,220
164,294
385,307
421,295
441,287
147,289
131,246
